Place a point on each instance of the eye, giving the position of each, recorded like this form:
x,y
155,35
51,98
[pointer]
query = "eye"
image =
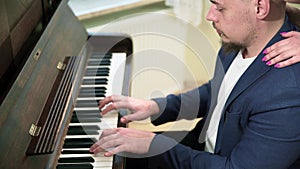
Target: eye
x,y
220,9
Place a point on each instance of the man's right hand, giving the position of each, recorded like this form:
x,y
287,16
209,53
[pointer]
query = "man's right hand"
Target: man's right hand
x,y
140,109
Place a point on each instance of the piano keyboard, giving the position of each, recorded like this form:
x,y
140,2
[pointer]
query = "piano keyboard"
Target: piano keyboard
x,y
104,76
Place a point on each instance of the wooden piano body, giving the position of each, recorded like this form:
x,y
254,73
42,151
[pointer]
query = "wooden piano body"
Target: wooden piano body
x,y
29,96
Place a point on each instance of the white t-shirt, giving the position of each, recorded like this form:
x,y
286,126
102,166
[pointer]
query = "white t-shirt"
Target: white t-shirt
x,y
233,74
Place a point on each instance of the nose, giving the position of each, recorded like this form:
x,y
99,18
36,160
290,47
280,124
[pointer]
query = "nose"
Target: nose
x,y
211,15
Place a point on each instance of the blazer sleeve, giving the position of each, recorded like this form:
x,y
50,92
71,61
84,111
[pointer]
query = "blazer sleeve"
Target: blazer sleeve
x,y
189,105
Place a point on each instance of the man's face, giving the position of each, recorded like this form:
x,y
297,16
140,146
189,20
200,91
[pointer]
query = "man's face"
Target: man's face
x,y
234,21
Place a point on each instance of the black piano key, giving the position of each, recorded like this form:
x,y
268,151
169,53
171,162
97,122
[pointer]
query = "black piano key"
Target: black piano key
x,y
79,142
87,116
92,94
97,72
84,119
75,166
66,151
101,56
101,62
76,160
95,81
83,130
93,89
87,103
87,113
85,127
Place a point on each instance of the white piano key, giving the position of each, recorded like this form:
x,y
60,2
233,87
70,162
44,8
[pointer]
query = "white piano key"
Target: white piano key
x,y
87,86
84,136
99,66
95,77
102,125
108,121
89,98
98,158
85,108
117,72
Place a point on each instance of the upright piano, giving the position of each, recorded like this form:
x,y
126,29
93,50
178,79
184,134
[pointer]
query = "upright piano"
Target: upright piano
x,y
49,116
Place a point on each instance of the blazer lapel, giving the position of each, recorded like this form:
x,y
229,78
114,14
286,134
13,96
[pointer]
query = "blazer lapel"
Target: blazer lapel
x,y
257,68
254,72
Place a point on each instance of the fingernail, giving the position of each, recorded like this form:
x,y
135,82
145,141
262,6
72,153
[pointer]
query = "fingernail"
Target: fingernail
x,y
265,51
264,59
268,63
283,33
277,65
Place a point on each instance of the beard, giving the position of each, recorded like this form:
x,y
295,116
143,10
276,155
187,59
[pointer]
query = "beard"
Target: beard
x,y
229,47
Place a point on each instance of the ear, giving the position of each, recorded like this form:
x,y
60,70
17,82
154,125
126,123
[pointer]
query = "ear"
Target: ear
x,y
262,8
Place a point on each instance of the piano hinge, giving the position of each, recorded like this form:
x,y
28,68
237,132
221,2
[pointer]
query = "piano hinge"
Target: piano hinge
x,y
61,66
34,130
37,54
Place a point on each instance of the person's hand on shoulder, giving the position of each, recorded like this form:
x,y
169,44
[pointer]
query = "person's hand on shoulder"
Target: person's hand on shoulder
x,y
285,52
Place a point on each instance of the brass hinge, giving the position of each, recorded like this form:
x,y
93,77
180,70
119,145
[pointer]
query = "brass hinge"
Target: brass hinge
x,y
61,66
34,130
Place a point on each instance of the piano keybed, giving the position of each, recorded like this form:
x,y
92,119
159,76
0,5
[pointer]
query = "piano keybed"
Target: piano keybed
x,y
103,77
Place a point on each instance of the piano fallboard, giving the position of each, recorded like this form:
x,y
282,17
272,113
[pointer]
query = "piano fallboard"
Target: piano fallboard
x,y
29,96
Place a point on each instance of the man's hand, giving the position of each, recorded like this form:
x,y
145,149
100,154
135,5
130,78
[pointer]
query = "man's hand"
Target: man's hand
x,y
113,141
140,109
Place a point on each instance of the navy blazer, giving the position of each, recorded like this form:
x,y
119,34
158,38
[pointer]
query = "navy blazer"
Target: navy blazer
x,y
260,124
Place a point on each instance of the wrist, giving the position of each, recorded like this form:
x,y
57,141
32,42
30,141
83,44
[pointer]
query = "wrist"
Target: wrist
x,y
153,107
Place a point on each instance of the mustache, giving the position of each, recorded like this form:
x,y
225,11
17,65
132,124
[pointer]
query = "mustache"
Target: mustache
x,y
218,30
214,25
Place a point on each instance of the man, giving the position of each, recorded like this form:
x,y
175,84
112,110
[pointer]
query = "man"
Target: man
x,y
251,114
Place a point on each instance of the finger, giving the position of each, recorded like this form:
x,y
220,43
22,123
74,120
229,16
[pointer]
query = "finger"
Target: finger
x,y
106,142
110,145
284,55
276,46
107,109
276,49
124,120
106,101
104,133
96,147
286,63
108,132
289,34
114,151
116,105
130,117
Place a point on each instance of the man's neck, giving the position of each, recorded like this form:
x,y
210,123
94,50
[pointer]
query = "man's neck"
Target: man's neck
x,y
264,34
